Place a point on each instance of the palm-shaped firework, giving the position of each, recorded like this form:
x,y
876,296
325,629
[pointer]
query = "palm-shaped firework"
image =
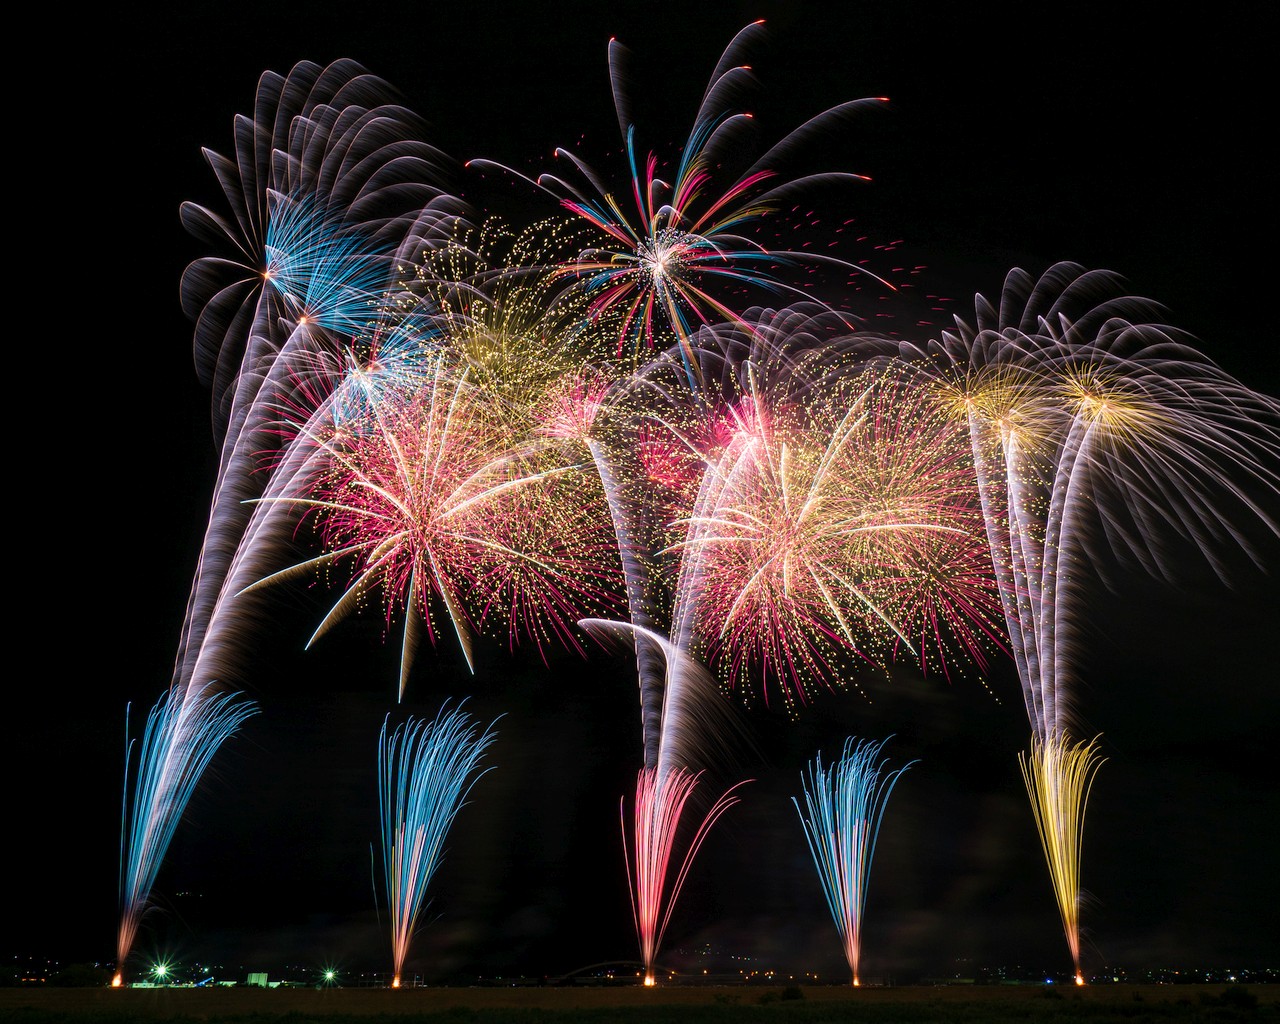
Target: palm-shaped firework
x,y
1095,430
327,181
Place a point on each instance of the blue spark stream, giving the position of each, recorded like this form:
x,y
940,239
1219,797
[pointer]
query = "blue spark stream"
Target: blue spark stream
x,y
183,733
426,771
845,804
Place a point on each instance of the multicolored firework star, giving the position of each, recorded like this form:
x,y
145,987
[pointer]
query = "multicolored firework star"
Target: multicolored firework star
x,y
431,499
670,266
833,525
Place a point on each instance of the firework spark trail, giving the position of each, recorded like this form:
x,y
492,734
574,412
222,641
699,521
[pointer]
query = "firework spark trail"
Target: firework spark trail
x,y
182,734
844,805
1080,416
1004,396
669,708
659,269
679,710
250,434
651,660
426,770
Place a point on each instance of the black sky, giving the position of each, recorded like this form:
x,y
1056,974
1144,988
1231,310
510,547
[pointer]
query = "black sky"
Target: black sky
x,y
1130,138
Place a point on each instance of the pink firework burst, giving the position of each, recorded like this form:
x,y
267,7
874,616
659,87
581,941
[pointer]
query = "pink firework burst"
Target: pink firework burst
x,y
432,503
839,529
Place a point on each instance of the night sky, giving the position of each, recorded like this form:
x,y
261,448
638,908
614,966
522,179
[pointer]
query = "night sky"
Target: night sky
x,y
1016,136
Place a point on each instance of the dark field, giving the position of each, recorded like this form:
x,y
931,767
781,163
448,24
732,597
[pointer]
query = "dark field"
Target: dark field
x,y
595,1005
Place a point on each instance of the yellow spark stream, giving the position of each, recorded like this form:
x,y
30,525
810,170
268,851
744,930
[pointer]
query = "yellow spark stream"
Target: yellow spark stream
x,y
1059,775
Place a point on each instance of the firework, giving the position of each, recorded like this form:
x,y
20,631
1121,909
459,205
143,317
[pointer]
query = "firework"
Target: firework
x,y
476,429
668,267
836,529
682,717
464,488
426,770
182,735
680,709
826,511
1096,431
797,504
431,505
326,182
1059,775
653,451
655,830
844,805
818,507
691,723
